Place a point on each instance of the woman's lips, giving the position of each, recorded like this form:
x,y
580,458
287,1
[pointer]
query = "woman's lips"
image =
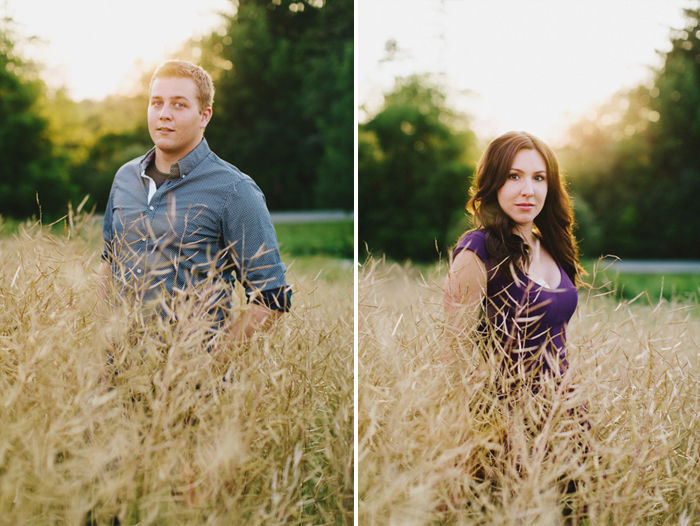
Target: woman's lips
x,y
525,206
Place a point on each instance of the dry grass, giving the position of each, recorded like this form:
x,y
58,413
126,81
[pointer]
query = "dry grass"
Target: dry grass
x,y
166,440
442,442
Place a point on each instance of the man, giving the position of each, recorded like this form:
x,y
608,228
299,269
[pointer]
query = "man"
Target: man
x,y
181,223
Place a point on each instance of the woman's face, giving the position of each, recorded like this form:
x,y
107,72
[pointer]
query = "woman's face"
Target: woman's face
x,y
523,194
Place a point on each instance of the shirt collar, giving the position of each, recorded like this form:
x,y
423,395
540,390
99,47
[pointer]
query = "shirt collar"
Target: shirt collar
x,y
185,165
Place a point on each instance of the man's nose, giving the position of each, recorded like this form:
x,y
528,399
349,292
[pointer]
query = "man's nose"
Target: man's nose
x,y
165,112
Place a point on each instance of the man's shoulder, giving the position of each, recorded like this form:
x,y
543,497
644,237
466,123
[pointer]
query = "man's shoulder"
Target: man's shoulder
x,y
132,166
232,174
225,166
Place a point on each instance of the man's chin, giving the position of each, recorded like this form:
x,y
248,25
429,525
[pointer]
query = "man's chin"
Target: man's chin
x,y
174,149
167,147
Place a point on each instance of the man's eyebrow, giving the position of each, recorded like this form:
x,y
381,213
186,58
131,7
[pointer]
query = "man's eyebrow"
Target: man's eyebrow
x,y
174,97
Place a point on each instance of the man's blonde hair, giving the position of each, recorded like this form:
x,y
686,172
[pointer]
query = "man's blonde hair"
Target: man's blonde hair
x,y
182,68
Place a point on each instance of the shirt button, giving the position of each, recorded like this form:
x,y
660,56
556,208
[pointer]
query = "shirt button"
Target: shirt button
x,y
151,207
138,271
143,239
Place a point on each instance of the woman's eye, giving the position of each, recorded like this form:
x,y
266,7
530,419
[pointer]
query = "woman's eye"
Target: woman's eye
x,y
513,176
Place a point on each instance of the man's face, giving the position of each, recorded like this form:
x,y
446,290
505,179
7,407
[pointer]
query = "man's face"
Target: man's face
x,y
174,119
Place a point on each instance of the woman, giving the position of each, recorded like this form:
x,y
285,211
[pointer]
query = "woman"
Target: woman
x,y
520,265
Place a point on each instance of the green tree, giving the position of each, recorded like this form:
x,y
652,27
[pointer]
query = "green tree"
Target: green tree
x,y
110,150
31,165
284,102
415,160
636,165
96,138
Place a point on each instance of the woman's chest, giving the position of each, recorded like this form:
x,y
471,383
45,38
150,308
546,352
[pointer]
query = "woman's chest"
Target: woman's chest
x,y
522,299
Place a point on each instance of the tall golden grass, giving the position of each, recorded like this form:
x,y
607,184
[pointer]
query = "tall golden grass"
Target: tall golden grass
x,y
166,440
441,441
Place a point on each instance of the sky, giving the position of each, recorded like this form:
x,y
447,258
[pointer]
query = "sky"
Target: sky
x,y
533,65
529,65
97,47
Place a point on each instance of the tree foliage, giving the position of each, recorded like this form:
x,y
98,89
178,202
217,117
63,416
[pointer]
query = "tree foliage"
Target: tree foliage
x,y
283,113
283,109
32,168
634,164
414,163
96,138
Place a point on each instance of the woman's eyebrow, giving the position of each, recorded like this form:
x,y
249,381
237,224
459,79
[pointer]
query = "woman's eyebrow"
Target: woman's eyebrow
x,y
522,171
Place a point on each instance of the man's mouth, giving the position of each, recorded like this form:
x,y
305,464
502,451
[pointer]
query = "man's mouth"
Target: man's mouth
x,y
164,129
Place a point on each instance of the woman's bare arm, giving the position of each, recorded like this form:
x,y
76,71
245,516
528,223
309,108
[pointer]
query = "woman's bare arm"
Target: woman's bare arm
x,y
465,288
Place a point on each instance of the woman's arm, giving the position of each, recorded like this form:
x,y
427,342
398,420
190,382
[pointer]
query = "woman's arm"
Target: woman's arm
x,y
465,288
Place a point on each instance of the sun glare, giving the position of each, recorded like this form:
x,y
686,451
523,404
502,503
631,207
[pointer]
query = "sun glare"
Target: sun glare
x,y
98,56
536,65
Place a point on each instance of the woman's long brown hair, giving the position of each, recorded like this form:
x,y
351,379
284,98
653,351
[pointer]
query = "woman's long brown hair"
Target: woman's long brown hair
x,y
555,222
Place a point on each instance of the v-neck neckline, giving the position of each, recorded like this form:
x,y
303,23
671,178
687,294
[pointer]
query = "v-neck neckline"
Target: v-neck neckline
x,y
561,278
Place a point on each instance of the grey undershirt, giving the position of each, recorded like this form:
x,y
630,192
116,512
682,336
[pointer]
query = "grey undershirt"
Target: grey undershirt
x,y
158,177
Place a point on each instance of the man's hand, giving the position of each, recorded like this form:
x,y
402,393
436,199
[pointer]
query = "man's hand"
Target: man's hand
x,y
253,319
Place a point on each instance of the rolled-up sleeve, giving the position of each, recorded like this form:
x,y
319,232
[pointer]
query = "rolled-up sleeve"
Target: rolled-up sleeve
x,y
250,236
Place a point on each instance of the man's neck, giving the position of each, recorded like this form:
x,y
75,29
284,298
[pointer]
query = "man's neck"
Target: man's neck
x,y
164,160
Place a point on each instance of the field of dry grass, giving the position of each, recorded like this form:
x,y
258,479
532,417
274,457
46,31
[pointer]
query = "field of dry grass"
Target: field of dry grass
x,y
167,440
441,441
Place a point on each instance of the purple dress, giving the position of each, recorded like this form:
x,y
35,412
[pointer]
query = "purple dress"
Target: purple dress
x,y
529,320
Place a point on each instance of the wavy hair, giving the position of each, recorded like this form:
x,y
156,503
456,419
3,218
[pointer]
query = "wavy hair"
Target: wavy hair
x,y
554,223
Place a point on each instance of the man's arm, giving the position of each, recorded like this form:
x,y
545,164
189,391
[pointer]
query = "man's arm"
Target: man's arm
x,y
254,318
254,251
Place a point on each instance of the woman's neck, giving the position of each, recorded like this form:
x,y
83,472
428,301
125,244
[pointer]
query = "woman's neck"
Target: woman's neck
x,y
527,234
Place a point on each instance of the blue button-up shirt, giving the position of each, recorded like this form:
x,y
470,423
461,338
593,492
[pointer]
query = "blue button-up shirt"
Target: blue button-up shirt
x,y
206,227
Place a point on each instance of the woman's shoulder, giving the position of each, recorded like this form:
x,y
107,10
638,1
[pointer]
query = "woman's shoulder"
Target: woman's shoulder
x,y
474,241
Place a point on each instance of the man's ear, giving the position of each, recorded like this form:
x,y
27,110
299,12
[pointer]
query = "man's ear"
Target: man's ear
x,y
205,118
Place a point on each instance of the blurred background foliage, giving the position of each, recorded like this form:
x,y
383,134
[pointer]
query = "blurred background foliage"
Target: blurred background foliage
x,y
283,113
632,166
415,160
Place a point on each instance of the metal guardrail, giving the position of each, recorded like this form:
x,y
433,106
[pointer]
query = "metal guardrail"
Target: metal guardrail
x,y
649,266
307,216
311,216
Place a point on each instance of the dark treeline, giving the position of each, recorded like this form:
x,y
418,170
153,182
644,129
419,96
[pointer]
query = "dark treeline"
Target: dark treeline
x,y
633,167
415,160
283,113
